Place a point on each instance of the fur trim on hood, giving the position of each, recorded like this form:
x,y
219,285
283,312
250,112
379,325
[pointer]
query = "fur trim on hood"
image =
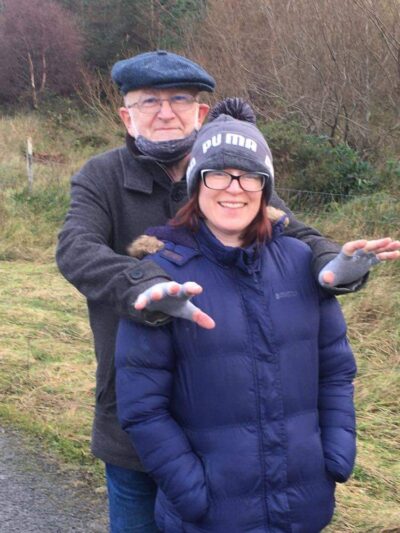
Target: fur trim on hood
x,y
144,245
147,244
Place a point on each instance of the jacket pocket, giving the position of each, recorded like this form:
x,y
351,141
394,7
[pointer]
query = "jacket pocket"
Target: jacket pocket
x,y
339,453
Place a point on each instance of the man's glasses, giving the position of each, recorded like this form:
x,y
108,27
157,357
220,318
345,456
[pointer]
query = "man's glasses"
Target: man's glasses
x,y
220,180
153,104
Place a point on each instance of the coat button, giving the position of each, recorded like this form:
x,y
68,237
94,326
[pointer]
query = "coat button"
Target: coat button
x,y
137,273
177,196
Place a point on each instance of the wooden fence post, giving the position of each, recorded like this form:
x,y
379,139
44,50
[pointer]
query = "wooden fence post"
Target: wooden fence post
x,y
29,163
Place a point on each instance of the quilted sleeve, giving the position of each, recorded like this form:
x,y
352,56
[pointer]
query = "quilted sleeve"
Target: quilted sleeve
x,y
336,406
144,372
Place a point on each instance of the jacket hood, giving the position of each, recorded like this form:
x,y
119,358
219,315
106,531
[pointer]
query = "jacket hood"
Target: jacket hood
x,y
155,236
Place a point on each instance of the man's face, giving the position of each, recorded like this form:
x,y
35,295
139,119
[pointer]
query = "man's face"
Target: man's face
x,y
162,122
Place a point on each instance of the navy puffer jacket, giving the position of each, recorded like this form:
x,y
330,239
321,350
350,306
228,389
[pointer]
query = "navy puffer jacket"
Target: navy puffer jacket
x,y
246,427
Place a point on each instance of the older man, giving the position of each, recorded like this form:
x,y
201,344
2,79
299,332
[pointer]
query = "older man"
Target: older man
x,y
114,198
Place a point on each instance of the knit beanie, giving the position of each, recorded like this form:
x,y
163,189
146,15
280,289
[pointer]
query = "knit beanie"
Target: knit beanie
x,y
230,140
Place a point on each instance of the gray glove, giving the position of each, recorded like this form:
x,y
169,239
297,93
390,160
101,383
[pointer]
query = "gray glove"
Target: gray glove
x,y
348,268
173,299
178,305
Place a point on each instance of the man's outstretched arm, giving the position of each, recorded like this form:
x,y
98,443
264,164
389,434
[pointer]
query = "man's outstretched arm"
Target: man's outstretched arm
x,y
339,270
352,263
86,259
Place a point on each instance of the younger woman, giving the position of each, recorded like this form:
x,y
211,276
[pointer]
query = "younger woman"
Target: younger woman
x,y
245,427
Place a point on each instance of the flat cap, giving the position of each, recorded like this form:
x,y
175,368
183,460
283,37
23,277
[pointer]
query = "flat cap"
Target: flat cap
x,y
160,70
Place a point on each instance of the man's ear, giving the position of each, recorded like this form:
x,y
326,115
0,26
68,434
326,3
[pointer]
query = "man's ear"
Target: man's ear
x,y
126,119
203,112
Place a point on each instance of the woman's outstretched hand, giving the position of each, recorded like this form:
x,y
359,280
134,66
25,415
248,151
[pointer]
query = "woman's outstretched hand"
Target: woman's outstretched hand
x,y
355,260
173,299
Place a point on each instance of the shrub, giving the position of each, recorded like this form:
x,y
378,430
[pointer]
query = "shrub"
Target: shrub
x,y
366,216
389,176
310,163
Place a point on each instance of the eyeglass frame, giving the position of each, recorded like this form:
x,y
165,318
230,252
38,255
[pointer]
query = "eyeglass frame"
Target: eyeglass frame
x,y
160,102
264,175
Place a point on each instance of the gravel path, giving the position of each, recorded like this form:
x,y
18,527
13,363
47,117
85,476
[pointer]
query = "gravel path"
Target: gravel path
x,y
39,496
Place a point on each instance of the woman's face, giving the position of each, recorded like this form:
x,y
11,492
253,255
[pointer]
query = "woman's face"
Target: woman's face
x,y
228,212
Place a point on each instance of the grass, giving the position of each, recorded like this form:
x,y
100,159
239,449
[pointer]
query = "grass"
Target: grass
x,y
370,501
47,368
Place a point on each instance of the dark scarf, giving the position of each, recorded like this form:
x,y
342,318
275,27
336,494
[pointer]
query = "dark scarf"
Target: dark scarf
x,y
166,151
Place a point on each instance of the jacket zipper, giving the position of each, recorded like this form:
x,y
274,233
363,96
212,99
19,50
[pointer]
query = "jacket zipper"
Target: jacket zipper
x,y
258,407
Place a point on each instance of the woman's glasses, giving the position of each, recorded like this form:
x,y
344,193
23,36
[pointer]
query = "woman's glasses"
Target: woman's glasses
x,y
220,180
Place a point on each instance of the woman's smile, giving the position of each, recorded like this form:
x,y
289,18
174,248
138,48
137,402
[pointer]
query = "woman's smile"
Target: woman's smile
x,y
232,205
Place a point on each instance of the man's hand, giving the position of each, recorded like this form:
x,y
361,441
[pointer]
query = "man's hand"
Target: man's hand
x,y
355,260
173,299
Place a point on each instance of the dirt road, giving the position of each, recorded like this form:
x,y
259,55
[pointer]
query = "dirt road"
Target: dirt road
x,y
39,496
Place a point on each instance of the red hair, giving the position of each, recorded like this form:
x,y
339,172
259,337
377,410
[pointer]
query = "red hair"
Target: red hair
x,y
259,230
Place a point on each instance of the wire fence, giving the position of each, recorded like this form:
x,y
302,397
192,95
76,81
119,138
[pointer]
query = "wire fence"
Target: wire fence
x,y
312,201
299,198
346,215
54,169
325,196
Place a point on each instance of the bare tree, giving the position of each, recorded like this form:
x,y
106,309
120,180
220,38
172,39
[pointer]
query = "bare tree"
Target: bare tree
x,y
40,48
332,65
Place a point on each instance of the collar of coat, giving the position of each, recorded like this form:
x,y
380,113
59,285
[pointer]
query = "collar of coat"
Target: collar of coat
x,y
155,237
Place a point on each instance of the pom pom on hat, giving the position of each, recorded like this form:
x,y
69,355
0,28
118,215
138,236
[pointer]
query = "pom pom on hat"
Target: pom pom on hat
x,y
235,107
